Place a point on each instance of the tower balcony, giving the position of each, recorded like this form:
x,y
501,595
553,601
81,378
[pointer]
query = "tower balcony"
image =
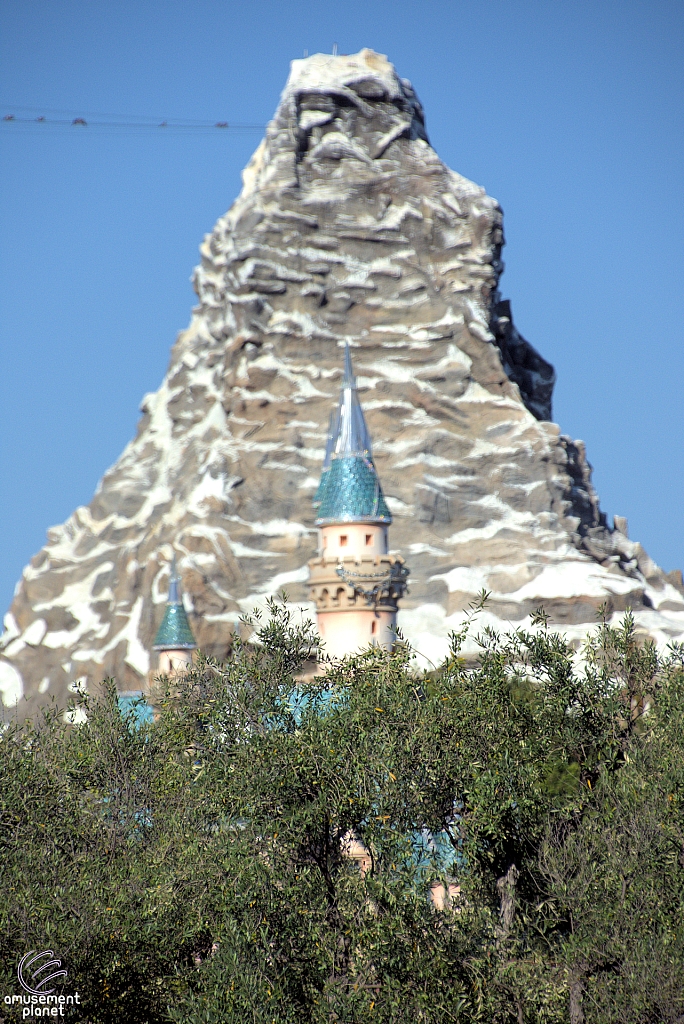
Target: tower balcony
x,y
356,600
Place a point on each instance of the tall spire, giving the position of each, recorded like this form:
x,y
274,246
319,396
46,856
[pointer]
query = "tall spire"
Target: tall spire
x,y
347,430
349,490
352,437
174,584
175,633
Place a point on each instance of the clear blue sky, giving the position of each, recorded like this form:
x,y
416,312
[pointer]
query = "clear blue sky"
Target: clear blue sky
x,y
569,113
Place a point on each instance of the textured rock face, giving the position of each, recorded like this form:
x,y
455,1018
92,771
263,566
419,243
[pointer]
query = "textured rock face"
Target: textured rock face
x,y
348,228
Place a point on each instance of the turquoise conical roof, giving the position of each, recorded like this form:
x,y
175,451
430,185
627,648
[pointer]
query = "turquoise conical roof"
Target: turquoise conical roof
x,y
349,490
175,633
352,493
318,496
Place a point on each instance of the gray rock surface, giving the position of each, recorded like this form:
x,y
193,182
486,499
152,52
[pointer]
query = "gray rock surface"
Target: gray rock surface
x,y
349,228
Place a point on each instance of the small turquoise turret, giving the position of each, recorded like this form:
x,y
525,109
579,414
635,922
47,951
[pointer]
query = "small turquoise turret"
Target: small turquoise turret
x,y
174,639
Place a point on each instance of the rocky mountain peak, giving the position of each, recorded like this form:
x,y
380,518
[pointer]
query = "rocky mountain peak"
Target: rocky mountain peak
x,y
349,229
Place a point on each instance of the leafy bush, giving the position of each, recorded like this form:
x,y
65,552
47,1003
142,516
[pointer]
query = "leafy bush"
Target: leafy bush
x,y
194,869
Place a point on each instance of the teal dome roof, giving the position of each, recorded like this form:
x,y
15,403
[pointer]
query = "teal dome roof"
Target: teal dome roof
x,y
349,490
174,633
318,496
351,493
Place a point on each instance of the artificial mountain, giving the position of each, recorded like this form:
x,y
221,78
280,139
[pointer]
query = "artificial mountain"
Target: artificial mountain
x,y
348,228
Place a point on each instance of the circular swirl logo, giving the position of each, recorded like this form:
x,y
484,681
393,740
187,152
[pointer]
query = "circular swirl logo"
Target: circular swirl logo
x,y
28,961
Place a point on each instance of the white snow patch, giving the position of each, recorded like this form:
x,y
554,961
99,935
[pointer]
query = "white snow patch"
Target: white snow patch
x,y
573,579
483,447
137,657
426,549
242,551
509,519
387,329
427,631
11,684
563,579
322,72
16,647
231,618
398,507
34,633
668,593
11,630
77,597
476,328
476,393
75,717
426,459
208,487
279,528
286,466
427,628
284,321
274,585
310,482
465,578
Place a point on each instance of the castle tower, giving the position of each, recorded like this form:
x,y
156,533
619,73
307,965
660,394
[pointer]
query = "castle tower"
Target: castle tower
x,y
354,581
174,639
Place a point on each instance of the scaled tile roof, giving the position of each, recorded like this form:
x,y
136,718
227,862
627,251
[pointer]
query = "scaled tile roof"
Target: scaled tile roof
x,y
352,493
175,633
349,490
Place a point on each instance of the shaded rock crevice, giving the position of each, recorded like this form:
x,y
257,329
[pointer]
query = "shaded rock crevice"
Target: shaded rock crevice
x,y
522,363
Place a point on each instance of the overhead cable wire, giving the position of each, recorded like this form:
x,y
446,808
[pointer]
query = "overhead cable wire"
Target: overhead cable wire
x,y
69,112
91,120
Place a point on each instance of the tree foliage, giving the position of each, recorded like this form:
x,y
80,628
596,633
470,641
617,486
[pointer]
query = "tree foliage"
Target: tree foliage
x,y
194,869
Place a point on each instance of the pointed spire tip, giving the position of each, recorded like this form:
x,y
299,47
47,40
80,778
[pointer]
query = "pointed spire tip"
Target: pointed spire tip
x,y
349,381
174,583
